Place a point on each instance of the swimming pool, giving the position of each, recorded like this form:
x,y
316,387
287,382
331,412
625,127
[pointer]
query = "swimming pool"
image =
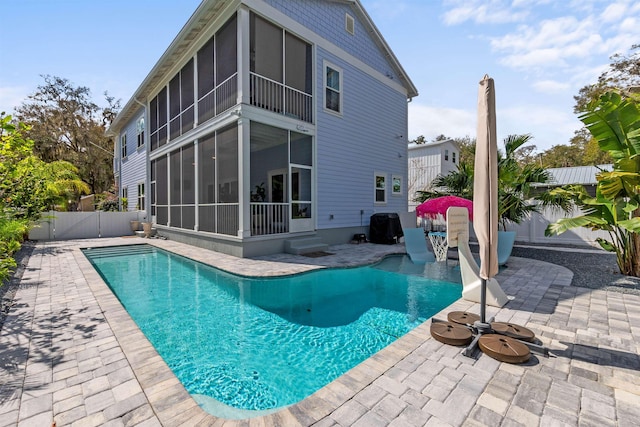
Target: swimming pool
x,y
244,345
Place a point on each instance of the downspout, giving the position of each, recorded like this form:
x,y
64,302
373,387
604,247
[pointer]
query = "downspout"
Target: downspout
x,y
147,178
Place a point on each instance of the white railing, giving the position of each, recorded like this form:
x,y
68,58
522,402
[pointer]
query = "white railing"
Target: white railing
x,y
269,218
275,96
219,99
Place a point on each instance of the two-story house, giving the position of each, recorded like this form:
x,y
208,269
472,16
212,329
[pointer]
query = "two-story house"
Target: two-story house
x,y
426,162
266,121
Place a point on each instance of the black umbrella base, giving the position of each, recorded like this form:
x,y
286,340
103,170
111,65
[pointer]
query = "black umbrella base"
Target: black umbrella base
x,y
505,342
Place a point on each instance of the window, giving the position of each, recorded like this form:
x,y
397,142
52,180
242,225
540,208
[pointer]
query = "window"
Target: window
x,y
396,185
123,146
140,204
446,155
380,188
333,88
453,156
124,199
349,24
140,131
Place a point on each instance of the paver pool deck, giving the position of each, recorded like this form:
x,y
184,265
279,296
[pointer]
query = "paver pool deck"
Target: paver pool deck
x,y
70,354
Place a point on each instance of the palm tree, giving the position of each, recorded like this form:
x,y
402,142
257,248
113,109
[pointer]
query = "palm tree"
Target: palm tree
x,y
516,185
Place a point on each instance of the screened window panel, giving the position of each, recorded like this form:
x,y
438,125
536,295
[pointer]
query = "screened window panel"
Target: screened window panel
x,y
174,97
162,215
176,216
207,218
226,51
266,49
188,217
227,162
207,169
154,141
205,69
186,85
153,115
188,175
162,136
175,196
187,119
301,149
161,181
174,128
162,107
297,63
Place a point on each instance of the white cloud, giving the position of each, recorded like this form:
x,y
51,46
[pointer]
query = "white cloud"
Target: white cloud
x,y
12,97
483,12
614,12
551,86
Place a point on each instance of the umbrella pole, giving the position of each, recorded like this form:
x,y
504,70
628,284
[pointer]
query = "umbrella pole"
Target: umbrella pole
x,y
483,301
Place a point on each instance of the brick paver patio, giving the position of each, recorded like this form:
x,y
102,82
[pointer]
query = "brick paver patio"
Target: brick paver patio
x,y
70,353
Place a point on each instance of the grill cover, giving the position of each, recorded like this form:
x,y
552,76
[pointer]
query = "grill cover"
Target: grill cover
x,y
385,228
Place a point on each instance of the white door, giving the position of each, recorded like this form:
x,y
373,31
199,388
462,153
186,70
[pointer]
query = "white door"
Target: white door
x,y
300,196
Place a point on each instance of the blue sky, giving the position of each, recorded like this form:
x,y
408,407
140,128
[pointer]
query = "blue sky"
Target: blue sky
x,y
540,53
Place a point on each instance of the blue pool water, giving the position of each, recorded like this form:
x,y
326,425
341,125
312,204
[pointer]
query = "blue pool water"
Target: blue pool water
x,y
261,343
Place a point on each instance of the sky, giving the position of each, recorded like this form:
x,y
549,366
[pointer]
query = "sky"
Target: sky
x,y
539,53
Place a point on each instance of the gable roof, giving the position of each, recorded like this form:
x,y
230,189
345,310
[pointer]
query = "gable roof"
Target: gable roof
x,y
198,22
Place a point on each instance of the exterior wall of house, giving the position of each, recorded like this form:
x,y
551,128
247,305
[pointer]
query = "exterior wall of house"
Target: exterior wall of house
x,y
426,162
133,169
352,147
367,138
332,28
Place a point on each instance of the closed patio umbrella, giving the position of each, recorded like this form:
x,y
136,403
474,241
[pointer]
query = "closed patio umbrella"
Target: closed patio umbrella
x,y
485,187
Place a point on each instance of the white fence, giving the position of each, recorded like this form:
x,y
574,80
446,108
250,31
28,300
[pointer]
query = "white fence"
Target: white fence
x,y
85,225
532,230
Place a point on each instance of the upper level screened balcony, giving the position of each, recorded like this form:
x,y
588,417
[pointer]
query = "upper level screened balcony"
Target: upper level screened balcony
x,y
279,71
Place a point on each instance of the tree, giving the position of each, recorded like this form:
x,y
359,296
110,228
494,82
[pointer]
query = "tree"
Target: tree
x,y
623,75
515,184
66,125
615,123
420,140
27,186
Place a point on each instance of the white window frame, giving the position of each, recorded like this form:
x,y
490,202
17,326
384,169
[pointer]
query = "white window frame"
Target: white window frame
x,y
325,66
123,146
377,175
141,196
453,157
446,155
140,131
395,178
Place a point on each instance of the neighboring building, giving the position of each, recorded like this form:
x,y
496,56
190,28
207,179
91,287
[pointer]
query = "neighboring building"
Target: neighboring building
x,y
583,175
265,121
426,162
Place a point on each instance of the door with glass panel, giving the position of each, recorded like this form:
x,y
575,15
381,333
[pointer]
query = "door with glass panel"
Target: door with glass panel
x,y
301,183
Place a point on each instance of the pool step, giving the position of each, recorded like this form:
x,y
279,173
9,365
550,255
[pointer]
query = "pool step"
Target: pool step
x,y
113,251
305,246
